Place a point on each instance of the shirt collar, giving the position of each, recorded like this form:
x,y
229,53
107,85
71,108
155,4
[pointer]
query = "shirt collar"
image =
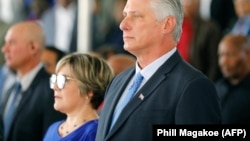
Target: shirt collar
x,y
149,70
27,79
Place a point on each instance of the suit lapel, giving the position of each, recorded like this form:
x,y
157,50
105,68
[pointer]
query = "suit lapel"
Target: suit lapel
x,y
138,99
117,92
143,93
28,94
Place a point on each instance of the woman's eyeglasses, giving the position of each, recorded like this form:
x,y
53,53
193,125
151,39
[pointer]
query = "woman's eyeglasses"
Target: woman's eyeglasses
x,y
59,80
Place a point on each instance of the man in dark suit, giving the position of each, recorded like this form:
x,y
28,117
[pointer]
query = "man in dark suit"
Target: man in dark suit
x,y
199,40
234,87
24,43
1,129
171,91
224,18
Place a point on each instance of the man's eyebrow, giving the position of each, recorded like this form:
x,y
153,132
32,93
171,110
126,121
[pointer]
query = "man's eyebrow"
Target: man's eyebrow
x,y
130,12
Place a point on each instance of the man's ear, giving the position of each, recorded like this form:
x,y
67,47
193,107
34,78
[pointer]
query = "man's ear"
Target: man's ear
x,y
169,24
34,47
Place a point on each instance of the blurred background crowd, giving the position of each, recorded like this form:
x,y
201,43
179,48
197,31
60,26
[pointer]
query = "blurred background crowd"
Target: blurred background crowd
x,y
205,23
215,37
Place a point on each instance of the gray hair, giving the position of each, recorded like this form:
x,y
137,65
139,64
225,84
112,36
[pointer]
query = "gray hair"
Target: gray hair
x,y
92,72
164,8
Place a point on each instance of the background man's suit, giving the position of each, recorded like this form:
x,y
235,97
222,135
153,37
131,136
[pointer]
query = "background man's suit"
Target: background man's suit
x,y
175,94
35,112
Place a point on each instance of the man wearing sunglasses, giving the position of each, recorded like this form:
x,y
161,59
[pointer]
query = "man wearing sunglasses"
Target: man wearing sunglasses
x,y
34,112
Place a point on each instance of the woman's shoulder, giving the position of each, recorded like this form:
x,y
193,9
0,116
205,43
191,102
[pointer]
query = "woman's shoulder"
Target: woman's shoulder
x,y
52,132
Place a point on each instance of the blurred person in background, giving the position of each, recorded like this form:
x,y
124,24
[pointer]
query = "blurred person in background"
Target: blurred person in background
x,y
29,111
106,51
3,28
51,55
234,88
12,11
121,62
199,40
36,8
1,129
60,25
242,25
7,81
105,28
114,34
223,13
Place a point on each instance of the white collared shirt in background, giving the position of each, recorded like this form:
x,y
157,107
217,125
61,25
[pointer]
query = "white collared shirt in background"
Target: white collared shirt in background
x,y
64,20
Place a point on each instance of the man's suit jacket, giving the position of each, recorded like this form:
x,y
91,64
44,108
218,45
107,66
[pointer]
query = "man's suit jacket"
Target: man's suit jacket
x,y
204,46
35,112
175,94
224,18
234,100
1,128
7,82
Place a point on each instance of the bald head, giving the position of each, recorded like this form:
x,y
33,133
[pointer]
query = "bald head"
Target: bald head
x,y
121,62
24,43
234,57
30,31
236,41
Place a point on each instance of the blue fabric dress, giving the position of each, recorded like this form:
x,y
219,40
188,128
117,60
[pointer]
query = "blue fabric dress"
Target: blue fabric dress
x,y
86,132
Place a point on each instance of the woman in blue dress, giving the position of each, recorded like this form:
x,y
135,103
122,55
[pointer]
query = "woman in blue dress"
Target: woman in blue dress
x,y
79,85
